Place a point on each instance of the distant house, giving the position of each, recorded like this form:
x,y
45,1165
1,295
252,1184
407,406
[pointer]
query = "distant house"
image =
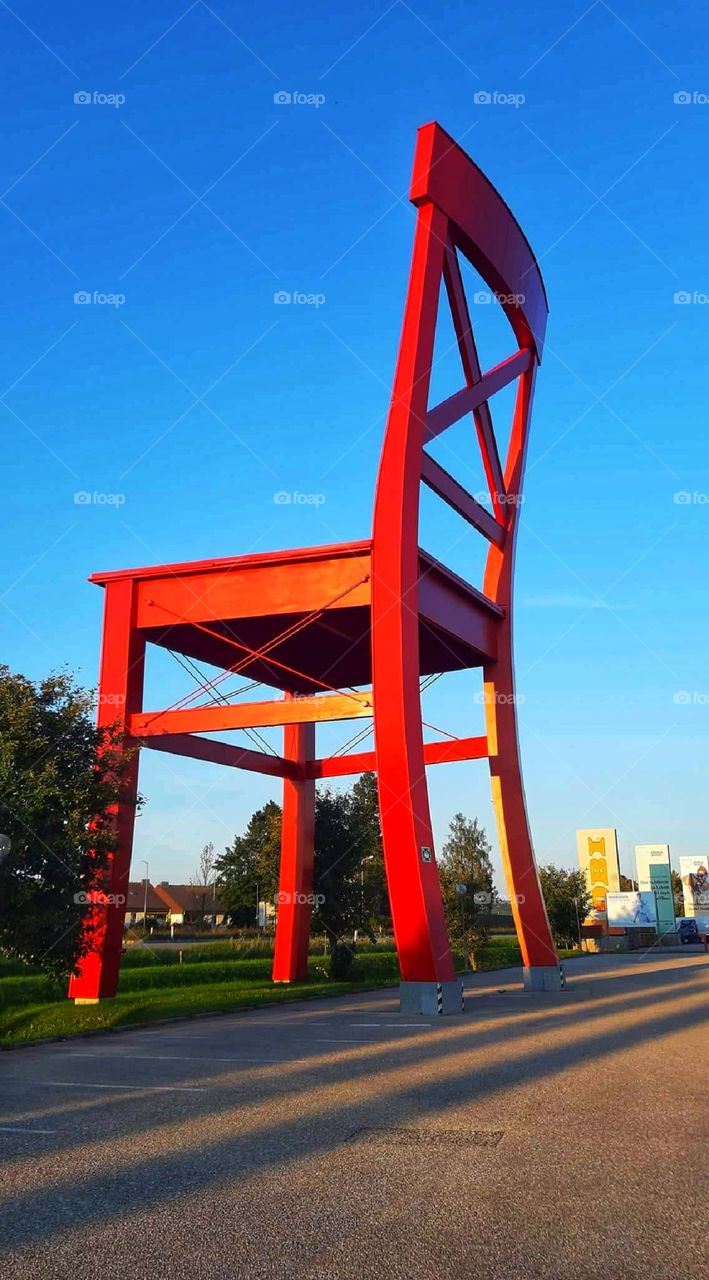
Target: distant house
x,y
136,903
191,903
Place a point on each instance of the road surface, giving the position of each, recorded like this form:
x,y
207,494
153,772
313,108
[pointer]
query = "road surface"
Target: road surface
x,y
550,1136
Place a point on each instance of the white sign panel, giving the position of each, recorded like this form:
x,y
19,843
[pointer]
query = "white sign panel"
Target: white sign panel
x,y
631,910
695,885
655,876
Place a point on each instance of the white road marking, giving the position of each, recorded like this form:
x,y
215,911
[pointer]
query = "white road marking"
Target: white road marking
x,y
338,1040
417,1025
151,1088
6,1128
176,1057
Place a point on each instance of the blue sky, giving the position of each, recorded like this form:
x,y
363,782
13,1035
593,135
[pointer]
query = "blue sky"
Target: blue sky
x,y
197,197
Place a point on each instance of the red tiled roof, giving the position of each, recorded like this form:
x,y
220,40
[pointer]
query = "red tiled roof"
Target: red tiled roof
x,y
181,898
135,898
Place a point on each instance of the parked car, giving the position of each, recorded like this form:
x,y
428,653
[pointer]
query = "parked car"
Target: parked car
x,y
688,931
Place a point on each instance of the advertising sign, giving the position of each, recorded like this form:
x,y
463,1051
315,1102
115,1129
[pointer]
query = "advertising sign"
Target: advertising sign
x,y
694,873
598,859
655,876
631,910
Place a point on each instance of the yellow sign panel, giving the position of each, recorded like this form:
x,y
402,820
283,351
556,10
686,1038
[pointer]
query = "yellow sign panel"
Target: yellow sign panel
x,y
598,859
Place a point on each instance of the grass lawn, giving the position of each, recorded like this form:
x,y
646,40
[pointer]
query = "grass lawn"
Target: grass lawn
x,y
33,1006
214,978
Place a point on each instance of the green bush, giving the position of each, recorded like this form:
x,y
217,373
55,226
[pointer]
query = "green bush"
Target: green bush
x,y
375,966
499,953
227,949
138,958
32,989
152,977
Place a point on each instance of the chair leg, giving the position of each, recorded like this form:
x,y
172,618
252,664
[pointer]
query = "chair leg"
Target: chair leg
x,y
414,891
120,693
295,893
412,875
528,907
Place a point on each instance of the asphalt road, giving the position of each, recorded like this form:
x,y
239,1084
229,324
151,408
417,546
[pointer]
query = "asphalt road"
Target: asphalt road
x,y
551,1136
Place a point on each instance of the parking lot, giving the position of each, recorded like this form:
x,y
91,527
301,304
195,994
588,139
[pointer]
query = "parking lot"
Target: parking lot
x,y
535,1135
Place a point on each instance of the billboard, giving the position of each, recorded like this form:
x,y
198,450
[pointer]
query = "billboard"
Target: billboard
x,y
631,910
694,873
598,859
655,876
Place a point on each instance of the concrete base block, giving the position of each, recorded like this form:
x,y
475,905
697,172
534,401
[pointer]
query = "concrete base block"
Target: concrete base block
x,y
431,997
544,978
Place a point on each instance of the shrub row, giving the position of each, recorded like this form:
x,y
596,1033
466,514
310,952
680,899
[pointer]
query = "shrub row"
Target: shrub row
x,y
156,977
30,989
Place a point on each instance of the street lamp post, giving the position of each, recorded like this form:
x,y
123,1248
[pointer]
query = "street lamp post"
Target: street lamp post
x,y
370,858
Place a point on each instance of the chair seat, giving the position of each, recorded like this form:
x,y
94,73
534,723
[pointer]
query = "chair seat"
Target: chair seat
x,y
309,609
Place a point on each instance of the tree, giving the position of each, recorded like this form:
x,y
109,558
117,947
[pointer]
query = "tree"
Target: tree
x,y
467,886
57,810
205,870
627,885
345,889
367,829
568,900
678,893
339,846
205,879
249,866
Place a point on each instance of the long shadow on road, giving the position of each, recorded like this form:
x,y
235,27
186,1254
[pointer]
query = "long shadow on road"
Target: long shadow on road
x,y
101,1193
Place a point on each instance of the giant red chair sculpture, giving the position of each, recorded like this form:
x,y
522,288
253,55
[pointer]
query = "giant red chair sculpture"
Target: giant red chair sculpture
x,y
324,624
